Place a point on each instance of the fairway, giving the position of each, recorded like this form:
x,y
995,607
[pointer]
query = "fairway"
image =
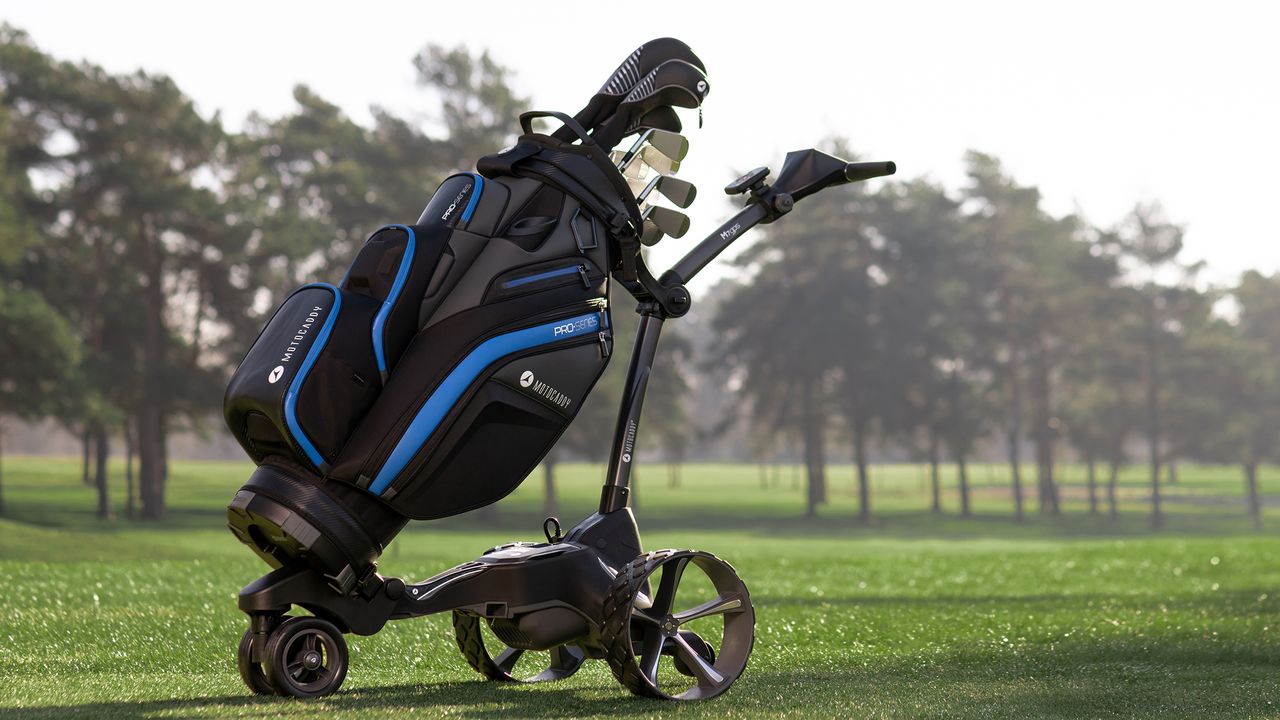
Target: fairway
x,y
915,616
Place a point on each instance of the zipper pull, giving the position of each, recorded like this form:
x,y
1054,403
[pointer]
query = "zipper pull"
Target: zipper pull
x,y
606,344
582,273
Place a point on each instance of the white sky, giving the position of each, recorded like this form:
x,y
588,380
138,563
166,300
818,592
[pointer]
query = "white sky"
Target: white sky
x,y
1101,104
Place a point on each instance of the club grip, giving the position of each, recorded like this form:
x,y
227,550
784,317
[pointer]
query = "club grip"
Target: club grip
x,y
853,172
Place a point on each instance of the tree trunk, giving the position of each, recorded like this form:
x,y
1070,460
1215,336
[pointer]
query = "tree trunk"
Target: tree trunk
x,y
129,509
1042,403
935,482
1172,473
1252,498
100,443
151,462
1014,435
1112,478
1,468
763,472
673,473
152,416
549,484
1153,416
964,484
86,455
815,462
860,460
1090,465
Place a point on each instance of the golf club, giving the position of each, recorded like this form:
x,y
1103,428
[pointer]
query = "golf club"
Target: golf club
x,y
680,192
670,222
671,144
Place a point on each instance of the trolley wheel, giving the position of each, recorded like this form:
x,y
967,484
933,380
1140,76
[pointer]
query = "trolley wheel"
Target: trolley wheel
x,y
702,620
700,646
470,633
253,673
306,657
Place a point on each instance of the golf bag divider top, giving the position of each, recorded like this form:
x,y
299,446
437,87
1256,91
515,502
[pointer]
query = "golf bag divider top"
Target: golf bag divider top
x,y
435,378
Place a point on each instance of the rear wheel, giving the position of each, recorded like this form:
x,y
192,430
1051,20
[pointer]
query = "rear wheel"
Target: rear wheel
x,y
685,605
490,657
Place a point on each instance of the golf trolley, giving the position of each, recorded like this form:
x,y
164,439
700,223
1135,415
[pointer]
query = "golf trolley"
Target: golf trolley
x,y
590,593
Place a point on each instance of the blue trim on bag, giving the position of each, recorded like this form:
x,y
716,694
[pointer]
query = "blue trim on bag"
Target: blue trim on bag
x,y
451,389
380,320
474,199
570,270
291,396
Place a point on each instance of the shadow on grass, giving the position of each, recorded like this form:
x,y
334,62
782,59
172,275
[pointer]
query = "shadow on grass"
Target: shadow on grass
x,y
1180,679
899,524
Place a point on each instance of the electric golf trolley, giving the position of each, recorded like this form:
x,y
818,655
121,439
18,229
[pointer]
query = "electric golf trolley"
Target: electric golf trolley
x,y
436,376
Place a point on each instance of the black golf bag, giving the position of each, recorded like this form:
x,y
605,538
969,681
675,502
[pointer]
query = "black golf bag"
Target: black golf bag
x,y
437,374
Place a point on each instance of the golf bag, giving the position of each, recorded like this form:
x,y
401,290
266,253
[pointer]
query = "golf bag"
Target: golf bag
x,y
442,368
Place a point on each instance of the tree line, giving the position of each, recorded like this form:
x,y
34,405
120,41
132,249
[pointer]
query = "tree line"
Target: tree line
x,y
142,245
930,320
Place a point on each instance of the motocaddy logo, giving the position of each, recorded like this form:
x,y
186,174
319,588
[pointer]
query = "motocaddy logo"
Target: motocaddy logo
x,y
543,390
456,202
577,326
629,444
299,335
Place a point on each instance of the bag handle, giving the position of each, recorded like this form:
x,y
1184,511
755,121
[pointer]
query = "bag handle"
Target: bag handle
x,y
526,123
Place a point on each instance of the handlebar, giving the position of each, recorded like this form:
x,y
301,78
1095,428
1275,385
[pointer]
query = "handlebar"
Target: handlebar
x,y
854,172
804,172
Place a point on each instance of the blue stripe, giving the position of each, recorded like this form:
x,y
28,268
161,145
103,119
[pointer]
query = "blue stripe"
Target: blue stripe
x,y
460,378
380,320
541,276
474,199
291,397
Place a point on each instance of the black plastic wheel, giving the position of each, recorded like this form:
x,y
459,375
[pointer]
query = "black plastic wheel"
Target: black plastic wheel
x,y
642,626
306,657
253,673
506,666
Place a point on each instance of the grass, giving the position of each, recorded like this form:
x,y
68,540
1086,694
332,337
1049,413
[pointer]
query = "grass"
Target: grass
x,y
916,616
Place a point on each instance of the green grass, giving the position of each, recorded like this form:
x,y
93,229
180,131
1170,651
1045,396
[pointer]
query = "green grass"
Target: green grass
x,y
916,616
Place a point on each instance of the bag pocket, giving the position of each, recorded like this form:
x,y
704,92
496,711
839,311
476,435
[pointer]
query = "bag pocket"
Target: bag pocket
x,y
393,269
448,362
308,378
544,276
494,416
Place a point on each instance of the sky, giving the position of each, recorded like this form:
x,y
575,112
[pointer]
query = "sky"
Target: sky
x,y
1100,104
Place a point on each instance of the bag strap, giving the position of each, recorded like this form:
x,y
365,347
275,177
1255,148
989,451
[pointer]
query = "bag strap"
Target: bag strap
x,y
527,118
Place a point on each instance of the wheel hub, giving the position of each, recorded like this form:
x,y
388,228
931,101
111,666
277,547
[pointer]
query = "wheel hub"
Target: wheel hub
x,y
669,626
311,660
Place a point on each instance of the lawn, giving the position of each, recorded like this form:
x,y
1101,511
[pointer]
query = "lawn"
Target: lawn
x,y
914,616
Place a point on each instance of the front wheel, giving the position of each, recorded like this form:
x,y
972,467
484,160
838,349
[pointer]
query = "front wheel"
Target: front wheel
x,y
306,657
702,620
253,673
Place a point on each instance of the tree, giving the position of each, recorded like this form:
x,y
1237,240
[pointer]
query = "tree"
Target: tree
x,y
1149,249
935,361
763,322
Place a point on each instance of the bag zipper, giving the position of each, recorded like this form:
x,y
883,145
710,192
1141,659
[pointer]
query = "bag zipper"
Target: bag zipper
x,y
578,268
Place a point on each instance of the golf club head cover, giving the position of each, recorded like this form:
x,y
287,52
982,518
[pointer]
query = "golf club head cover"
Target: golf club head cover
x,y
674,83
659,118
642,61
